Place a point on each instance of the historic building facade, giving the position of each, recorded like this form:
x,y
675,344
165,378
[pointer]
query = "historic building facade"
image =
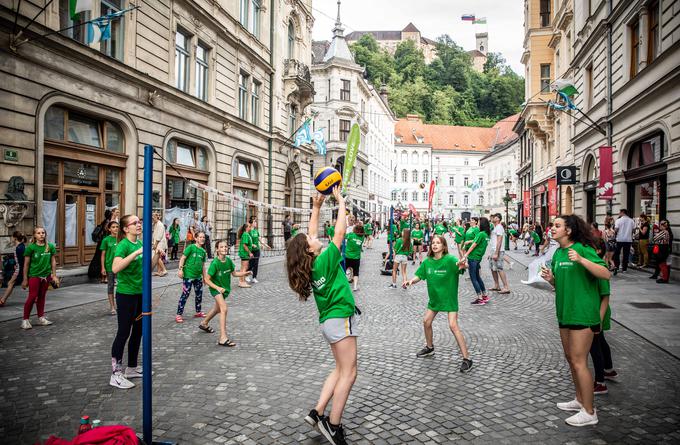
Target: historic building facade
x,y
215,87
389,40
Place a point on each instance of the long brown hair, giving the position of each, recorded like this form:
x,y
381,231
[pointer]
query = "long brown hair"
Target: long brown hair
x,y
299,261
445,249
406,239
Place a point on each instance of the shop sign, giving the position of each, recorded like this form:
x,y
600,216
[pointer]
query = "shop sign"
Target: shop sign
x,y
566,175
552,197
10,155
527,203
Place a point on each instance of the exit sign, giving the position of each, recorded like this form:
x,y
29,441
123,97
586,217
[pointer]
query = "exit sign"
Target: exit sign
x,y
10,155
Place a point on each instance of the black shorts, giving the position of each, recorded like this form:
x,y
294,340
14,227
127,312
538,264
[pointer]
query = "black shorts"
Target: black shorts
x,y
354,264
417,242
578,327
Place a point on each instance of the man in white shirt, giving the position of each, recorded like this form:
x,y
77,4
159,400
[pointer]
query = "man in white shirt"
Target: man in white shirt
x,y
623,227
497,244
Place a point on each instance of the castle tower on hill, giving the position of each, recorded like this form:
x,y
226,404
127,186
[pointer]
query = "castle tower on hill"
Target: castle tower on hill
x,y
478,55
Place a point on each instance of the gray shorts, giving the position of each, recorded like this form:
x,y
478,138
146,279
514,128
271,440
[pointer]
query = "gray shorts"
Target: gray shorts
x,y
110,282
335,329
400,259
497,265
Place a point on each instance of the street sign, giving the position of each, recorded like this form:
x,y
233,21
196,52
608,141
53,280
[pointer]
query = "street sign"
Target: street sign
x,y
566,175
11,155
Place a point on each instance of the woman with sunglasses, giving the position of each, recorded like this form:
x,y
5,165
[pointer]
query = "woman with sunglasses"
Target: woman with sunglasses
x,y
127,265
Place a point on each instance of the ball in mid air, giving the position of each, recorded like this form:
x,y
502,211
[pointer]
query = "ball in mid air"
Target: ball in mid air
x,y
326,179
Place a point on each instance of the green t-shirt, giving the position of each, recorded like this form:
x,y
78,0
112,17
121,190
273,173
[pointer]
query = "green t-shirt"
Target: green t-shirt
x,y
536,237
404,224
130,278
255,239
459,234
174,234
513,232
577,295
331,231
293,232
442,282
394,233
331,289
246,240
399,248
368,229
109,245
41,259
353,246
193,265
604,289
482,240
439,229
220,274
417,234
470,235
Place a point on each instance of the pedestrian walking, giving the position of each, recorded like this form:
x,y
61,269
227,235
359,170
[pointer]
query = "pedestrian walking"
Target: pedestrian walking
x,y
174,238
353,245
623,227
497,256
442,270
206,227
470,235
18,267
40,270
256,248
244,251
417,236
127,265
474,255
191,272
218,280
574,272
97,235
368,230
402,249
287,228
458,231
661,249
159,245
109,245
644,235
310,268
609,236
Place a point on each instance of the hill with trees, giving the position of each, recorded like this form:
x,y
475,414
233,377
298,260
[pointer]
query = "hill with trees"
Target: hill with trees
x,y
447,91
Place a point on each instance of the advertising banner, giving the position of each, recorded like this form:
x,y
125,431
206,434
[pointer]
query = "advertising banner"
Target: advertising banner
x,y
605,189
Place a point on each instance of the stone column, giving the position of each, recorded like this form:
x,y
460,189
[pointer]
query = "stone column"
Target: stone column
x,y
644,33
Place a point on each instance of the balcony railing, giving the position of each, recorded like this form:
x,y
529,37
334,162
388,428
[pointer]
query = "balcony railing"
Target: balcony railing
x,y
295,68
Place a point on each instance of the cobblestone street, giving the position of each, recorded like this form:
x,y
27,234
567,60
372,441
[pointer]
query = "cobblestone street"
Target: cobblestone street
x,y
259,392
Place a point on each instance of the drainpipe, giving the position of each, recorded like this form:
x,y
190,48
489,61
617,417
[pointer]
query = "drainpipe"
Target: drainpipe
x,y
610,128
270,142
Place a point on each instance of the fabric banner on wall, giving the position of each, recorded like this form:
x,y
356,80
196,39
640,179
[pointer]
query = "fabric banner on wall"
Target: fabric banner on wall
x,y
552,197
430,196
527,203
49,219
605,189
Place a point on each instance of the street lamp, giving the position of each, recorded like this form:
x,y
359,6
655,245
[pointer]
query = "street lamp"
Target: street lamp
x,y
507,184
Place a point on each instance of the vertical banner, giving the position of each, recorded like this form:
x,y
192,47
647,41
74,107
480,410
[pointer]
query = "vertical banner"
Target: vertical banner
x,y
527,203
605,189
353,142
552,197
430,196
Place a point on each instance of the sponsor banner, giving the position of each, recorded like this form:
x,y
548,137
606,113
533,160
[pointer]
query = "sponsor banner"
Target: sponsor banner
x,y
605,189
527,203
552,197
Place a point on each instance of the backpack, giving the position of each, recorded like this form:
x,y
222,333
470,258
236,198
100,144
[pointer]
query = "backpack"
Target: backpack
x,y
98,234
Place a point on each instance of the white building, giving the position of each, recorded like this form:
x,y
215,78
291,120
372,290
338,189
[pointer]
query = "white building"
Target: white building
x,y
343,98
448,154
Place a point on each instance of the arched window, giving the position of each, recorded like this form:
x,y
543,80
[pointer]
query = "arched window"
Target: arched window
x,y
404,176
291,40
426,158
414,196
404,157
452,198
414,176
481,200
426,176
466,200
69,126
394,195
404,196
590,174
414,157
645,152
426,196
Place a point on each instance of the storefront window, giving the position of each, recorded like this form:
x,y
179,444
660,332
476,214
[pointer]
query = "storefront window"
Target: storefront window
x,y
114,138
77,173
241,209
50,214
647,199
51,176
54,123
67,126
83,130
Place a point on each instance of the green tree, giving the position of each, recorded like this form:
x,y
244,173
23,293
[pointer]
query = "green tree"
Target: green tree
x,y
378,63
409,61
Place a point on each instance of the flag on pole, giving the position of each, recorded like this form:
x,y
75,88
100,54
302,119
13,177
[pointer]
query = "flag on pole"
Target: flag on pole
x,y
565,86
303,135
353,142
479,21
98,30
468,17
318,138
77,6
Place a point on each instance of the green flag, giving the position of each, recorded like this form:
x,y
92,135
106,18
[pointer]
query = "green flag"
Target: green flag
x,y
353,142
479,21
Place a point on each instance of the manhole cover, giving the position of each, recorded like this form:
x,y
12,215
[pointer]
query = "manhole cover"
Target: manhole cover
x,y
651,306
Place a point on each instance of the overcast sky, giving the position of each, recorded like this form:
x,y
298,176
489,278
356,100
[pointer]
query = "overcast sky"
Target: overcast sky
x,y
433,18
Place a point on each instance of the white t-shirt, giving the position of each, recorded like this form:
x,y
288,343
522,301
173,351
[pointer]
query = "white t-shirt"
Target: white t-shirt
x,y
624,229
497,230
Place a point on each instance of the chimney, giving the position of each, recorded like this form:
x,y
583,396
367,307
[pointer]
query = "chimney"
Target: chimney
x,y
385,95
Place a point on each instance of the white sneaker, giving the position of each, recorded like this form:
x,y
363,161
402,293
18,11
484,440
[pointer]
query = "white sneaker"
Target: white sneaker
x,y
25,324
42,321
133,373
572,405
254,280
119,381
248,279
582,418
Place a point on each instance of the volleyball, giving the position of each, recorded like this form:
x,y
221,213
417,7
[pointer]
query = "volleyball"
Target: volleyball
x,y
327,178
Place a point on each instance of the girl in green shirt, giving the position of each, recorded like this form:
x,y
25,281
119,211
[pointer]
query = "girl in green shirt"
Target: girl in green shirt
x,y
40,270
402,249
245,250
417,235
108,248
127,265
313,271
174,238
574,272
353,247
441,270
474,254
190,270
218,279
